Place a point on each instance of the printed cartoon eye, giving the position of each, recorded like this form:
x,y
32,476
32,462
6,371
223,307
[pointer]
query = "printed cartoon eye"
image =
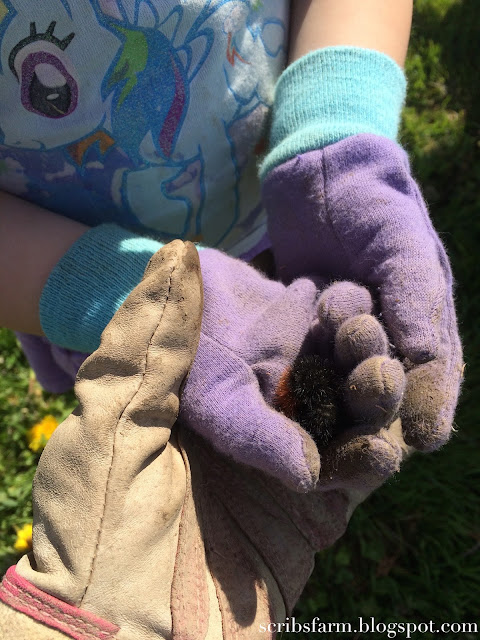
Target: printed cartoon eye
x,y
47,87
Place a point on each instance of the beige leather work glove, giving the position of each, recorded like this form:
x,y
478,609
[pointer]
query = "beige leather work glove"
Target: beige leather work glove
x,y
144,532
110,484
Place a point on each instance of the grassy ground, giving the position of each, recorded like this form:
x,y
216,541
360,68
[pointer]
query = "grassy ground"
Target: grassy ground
x,y
412,552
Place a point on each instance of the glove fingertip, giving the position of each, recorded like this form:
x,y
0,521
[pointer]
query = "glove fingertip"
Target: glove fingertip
x,y
361,463
359,338
417,353
295,459
341,301
428,409
374,391
311,474
414,338
425,431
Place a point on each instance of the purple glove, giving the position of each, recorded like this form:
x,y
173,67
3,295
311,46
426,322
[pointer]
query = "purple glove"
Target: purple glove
x,y
54,366
253,329
352,210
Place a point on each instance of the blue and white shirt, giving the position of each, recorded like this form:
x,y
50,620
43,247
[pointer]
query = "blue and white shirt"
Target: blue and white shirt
x,y
147,113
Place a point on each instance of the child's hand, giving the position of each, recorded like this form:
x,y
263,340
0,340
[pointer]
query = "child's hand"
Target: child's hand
x,y
253,329
352,210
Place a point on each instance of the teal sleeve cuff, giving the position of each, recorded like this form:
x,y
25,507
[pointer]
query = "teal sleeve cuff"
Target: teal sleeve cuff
x,y
90,283
331,94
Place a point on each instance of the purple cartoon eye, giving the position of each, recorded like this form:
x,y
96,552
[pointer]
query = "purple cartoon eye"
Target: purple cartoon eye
x,y
46,86
38,62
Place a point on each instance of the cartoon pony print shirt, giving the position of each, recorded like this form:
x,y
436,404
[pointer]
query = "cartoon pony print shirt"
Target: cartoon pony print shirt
x,y
147,113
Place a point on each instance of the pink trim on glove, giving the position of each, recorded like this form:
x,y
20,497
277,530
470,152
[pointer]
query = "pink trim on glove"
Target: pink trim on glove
x,y
79,624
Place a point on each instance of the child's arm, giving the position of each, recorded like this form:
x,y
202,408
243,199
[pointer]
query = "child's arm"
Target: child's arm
x,y
372,24
63,279
32,241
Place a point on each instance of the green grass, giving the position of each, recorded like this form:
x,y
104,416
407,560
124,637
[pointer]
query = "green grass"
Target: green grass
x,y
412,552
22,404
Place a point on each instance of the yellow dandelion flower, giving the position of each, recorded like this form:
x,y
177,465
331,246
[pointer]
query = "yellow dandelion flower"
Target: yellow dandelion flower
x,y
40,433
23,543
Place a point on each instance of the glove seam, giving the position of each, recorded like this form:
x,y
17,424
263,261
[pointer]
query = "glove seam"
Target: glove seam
x,y
267,564
99,532
327,209
28,598
287,514
444,284
9,597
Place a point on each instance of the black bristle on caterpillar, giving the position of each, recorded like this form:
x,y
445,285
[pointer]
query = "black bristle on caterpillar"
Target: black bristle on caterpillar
x,y
310,392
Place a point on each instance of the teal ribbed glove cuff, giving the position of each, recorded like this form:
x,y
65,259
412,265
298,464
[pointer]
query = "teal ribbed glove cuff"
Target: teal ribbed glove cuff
x,y
331,94
90,283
